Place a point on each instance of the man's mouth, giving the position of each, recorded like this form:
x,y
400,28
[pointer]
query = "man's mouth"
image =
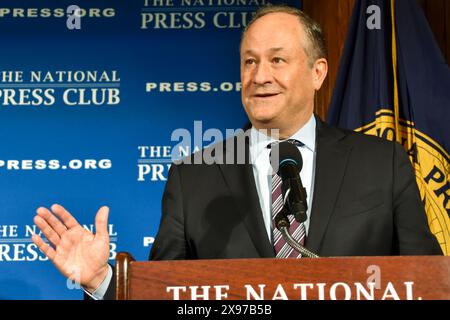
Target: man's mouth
x,y
265,95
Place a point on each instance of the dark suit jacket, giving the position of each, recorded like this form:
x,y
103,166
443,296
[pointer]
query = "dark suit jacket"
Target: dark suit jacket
x,y
366,203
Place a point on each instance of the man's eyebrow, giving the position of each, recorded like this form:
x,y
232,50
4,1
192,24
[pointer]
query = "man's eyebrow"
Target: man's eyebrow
x,y
275,49
248,51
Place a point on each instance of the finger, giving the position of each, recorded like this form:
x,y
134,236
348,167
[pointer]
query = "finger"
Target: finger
x,y
68,220
47,230
44,247
101,222
53,221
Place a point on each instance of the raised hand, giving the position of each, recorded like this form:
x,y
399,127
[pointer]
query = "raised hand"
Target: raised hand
x,y
77,253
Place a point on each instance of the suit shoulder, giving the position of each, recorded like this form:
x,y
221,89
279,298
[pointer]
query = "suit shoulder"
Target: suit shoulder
x,y
360,139
217,152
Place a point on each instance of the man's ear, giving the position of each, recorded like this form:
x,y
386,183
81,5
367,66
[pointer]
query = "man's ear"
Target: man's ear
x,y
320,70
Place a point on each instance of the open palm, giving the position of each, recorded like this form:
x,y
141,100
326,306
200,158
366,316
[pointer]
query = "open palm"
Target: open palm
x,y
77,253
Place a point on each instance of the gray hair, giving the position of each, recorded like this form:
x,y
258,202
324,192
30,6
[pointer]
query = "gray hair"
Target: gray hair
x,y
315,48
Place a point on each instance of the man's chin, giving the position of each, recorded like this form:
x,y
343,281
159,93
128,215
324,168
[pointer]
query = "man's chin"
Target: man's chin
x,y
264,122
263,112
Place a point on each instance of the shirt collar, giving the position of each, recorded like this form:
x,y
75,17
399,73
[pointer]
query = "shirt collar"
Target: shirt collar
x,y
306,134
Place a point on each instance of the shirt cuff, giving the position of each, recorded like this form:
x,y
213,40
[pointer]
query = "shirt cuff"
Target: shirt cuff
x,y
99,293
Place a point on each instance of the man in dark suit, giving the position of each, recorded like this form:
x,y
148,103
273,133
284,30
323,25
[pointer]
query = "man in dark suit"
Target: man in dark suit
x,y
362,195
365,199
366,202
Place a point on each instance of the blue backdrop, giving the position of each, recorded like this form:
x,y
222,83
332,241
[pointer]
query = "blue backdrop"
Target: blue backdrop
x,y
86,115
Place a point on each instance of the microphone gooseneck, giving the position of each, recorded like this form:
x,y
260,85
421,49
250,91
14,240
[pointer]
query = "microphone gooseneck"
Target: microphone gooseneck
x,y
282,224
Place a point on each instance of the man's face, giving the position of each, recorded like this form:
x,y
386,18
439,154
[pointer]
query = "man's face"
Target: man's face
x,y
277,82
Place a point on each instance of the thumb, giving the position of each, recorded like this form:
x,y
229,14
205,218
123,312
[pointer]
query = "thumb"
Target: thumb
x,y
101,222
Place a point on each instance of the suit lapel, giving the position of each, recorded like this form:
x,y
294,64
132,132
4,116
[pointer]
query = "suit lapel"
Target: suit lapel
x,y
331,161
241,182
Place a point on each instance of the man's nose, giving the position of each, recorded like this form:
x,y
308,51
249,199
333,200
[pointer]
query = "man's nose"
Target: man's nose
x,y
263,74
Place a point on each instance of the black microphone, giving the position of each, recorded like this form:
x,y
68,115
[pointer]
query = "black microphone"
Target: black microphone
x,y
288,166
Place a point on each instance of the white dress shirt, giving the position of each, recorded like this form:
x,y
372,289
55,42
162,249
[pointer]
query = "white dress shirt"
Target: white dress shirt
x,y
262,171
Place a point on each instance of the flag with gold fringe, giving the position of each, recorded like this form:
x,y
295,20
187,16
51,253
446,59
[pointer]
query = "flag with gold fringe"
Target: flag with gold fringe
x,y
393,82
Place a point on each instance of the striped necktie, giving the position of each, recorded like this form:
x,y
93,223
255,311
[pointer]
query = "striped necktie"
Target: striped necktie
x,y
296,229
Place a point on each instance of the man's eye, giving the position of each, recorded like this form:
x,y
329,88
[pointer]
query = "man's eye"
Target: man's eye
x,y
249,61
277,60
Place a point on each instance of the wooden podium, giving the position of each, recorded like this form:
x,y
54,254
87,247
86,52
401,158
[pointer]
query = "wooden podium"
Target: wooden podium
x,y
355,278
